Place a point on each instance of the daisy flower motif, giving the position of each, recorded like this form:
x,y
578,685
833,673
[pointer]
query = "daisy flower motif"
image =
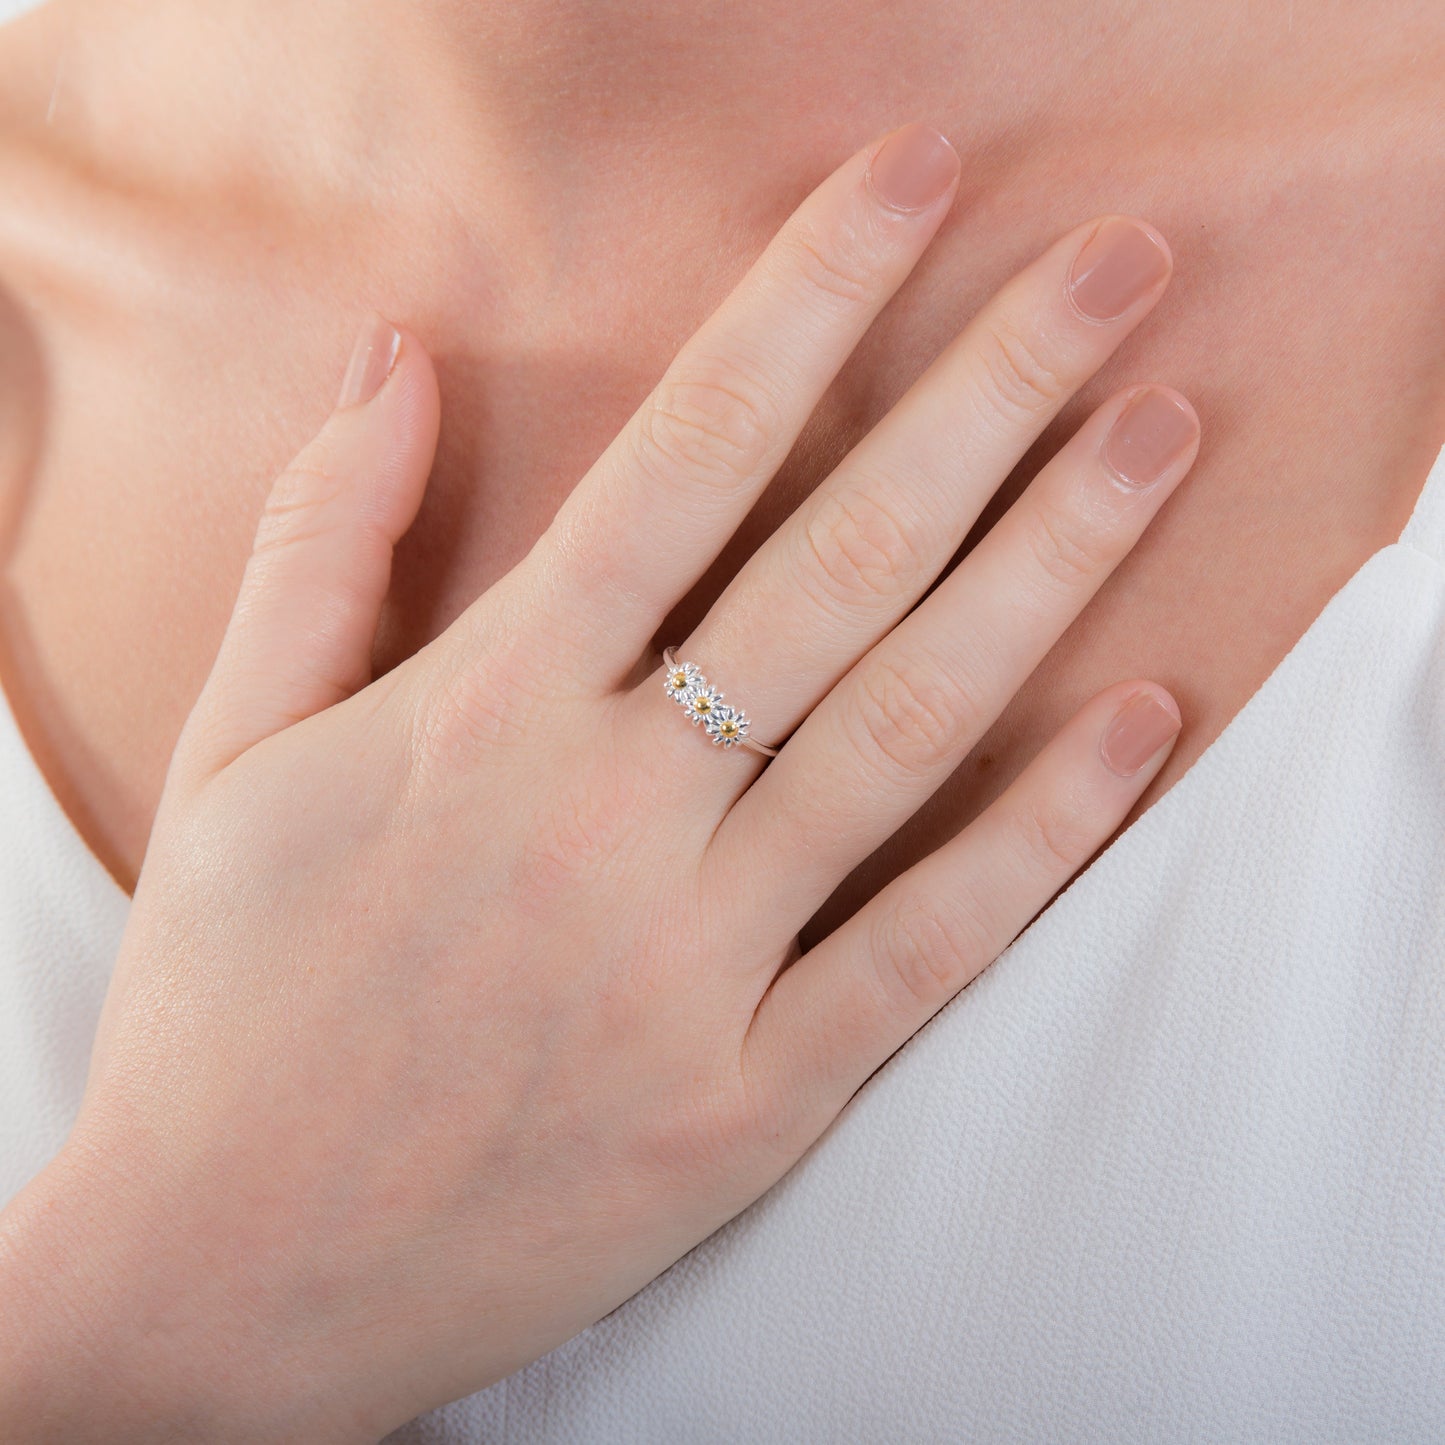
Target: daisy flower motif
x,y
727,725
703,701
681,681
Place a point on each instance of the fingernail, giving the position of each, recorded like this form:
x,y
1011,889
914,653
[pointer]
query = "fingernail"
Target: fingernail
x,y
372,359
1151,434
1120,264
915,166
1136,732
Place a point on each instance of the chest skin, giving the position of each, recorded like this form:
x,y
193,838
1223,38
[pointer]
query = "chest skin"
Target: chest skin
x,y
159,364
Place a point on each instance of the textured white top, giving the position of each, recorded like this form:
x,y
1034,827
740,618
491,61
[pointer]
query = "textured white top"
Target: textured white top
x,y
1172,1169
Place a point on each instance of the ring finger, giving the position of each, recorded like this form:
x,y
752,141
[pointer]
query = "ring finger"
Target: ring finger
x,y
910,710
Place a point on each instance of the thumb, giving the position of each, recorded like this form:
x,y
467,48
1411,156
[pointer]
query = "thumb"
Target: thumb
x,y
302,630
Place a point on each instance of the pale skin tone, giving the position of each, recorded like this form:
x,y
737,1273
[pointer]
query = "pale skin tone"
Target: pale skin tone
x,y
556,964
178,451
163,344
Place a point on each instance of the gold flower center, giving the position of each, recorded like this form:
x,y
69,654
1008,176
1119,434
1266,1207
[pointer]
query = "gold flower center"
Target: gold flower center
x,y
679,679
729,727
701,704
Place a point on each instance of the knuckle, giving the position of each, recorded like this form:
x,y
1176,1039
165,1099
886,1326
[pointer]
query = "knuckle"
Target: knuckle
x,y
701,1131
1022,383
296,507
579,834
912,714
835,267
476,706
928,947
860,549
1056,838
712,421
1061,546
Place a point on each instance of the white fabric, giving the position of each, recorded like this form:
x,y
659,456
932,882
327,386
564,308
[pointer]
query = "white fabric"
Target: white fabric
x,y
1172,1169
61,916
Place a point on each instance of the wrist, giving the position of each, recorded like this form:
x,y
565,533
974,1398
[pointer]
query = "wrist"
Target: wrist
x,y
89,1348
119,1322
49,1388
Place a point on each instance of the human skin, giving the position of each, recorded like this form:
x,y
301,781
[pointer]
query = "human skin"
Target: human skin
x,y
454,1007
200,202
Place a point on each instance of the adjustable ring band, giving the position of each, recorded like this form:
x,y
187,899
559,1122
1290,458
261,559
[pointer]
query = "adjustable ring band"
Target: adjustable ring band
x,y
726,725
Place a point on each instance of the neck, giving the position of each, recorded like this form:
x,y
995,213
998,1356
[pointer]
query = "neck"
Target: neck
x,y
571,99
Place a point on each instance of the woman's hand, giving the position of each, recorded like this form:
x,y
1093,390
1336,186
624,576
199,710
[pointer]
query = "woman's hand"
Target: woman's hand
x,y
456,1005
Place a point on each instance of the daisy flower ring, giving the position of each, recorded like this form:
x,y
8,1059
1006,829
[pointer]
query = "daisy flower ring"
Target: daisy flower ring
x,y
725,724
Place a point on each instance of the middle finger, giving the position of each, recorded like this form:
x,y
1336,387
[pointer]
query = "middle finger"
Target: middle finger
x,y
859,552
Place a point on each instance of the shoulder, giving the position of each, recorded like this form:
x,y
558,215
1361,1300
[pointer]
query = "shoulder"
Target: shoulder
x,y
25,184
32,53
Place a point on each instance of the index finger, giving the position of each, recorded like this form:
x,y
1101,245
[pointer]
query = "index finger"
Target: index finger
x,y
657,507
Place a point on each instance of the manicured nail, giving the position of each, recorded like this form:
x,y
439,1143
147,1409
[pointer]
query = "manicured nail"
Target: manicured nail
x,y
914,168
1120,264
1152,434
1137,731
372,359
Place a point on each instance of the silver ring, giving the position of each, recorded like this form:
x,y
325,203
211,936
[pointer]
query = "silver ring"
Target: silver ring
x,y
726,725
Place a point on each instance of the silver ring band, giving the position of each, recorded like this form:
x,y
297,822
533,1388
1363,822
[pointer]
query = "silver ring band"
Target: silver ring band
x,y
726,725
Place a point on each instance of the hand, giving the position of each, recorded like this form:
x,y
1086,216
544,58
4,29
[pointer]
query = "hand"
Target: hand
x,y
456,1005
